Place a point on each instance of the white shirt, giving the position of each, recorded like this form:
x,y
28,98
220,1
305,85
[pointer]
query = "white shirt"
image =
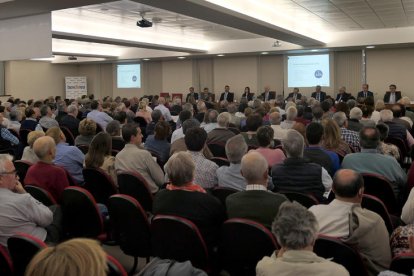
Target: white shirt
x,y
177,134
164,111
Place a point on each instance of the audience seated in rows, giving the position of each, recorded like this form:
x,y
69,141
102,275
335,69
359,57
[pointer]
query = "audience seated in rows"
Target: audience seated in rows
x,y
133,158
256,202
344,218
68,157
296,230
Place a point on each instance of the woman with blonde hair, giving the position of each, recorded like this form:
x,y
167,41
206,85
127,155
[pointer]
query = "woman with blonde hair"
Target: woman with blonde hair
x,y
143,112
76,257
332,138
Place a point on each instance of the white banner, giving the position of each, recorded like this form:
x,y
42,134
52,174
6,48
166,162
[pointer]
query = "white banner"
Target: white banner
x,y
75,87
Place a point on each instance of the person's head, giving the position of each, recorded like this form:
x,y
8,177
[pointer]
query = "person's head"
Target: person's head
x,y
180,168
235,148
365,87
162,130
318,88
314,133
33,136
340,118
383,130
355,113
87,127
75,257
247,89
100,147
45,148
274,118
190,123
267,88
317,112
113,128
232,108
195,139
191,89
212,116
295,227
131,133
392,87
369,137
121,117
351,103
156,115
379,105
95,105
188,107
386,115
142,105
226,88
15,115
291,113
8,179
348,185
342,107
30,112
293,144
185,115
73,110
295,90
205,90
56,134
326,105
254,168
264,136
253,122
342,89
45,111
331,133
161,100
398,110
223,119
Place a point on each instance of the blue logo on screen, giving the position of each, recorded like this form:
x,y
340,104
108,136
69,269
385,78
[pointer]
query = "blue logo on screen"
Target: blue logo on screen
x,y
318,74
134,78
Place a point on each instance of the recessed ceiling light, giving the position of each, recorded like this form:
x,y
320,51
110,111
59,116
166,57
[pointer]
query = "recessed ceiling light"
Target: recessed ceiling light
x,y
370,47
181,57
220,55
265,53
314,50
146,59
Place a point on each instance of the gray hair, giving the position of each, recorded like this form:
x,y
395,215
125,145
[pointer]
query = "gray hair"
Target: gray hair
x,y
72,109
386,115
3,159
275,118
180,168
253,167
351,103
236,147
293,144
212,116
44,110
14,115
232,108
113,128
340,118
223,119
355,113
188,106
190,123
295,227
291,113
61,106
42,146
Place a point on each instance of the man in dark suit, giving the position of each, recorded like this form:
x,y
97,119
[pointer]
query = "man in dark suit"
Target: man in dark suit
x,y
295,95
392,96
365,92
256,203
268,95
191,94
342,95
318,94
206,95
227,95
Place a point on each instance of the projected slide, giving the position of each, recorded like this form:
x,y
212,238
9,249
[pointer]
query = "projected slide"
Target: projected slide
x,y
129,76
309,70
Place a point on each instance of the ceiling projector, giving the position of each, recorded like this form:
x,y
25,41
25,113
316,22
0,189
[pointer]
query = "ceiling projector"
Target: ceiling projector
x,y
144,23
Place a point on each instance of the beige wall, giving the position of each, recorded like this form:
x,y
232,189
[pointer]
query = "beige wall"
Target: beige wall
x,y
177,76
391,66
348,71
270,72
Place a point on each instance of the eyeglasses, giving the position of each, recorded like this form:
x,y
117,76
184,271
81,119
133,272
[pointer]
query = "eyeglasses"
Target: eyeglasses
x,y
12,172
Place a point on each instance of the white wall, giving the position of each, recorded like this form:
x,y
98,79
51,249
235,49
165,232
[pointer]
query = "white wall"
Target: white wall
x,y
177,76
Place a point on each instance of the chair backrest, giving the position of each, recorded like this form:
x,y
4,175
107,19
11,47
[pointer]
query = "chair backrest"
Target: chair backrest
x,y
6,263
165,94
81,217
83,148
41,195
341,253
380,187
375,204
22,167
114,267
135,185
22,248
403,263
179,95
243,243
221,193
68,134
304,199
220,161
23,135
217,149
177,238
99,184
130,225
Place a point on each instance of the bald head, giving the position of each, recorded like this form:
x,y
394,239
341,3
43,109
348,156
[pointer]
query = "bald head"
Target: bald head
x,y
254,168
161,100
347,185
45,148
